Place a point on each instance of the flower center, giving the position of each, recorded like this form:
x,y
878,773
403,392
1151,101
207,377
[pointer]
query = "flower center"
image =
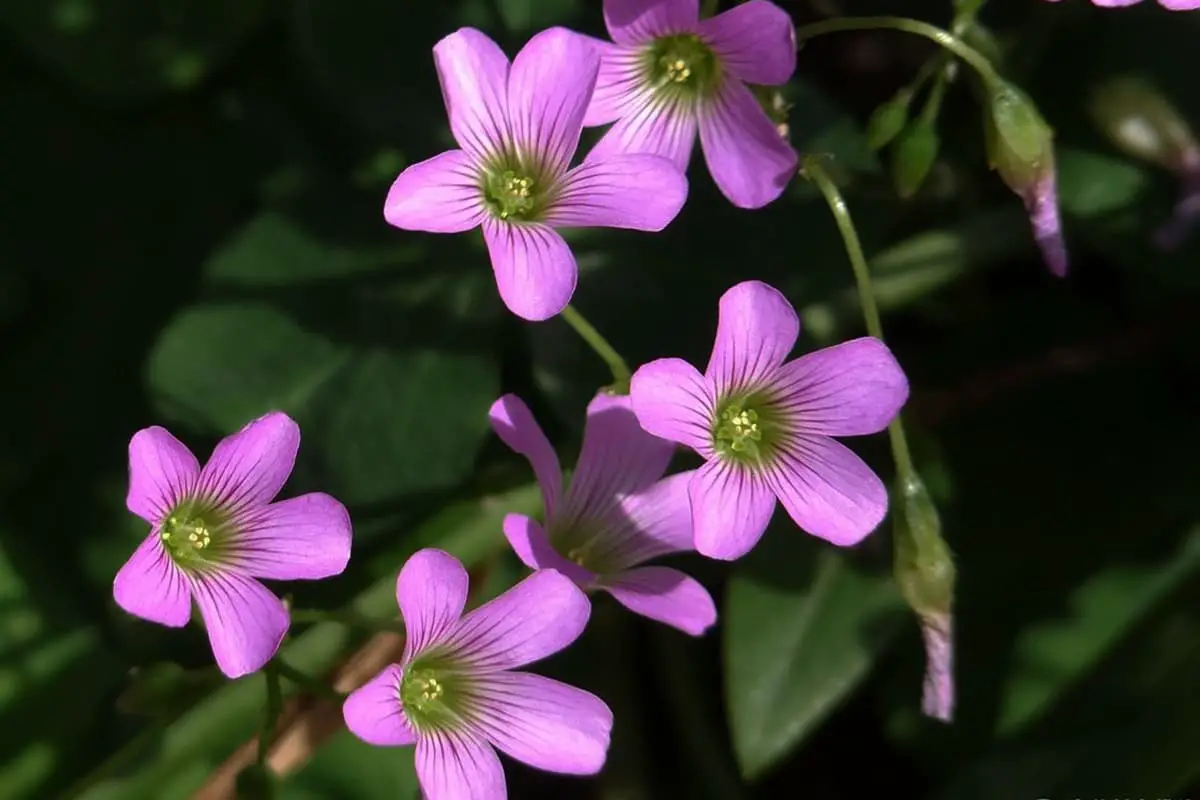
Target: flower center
x,y
513,193
194,534
426,692
583,542
681,65
746,429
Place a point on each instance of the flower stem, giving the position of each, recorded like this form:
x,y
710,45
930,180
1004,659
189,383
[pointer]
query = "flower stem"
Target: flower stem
x,y
303,679
274,706
616,364
935,34
349,619
813,170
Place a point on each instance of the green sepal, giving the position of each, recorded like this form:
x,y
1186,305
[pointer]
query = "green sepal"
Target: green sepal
x,y
887,120
924,568
1020,144
913,155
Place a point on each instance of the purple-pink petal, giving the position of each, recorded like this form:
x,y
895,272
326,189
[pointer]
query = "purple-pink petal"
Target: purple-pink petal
x,y
731,508
549,87
248,468
1041,202
438,195
535,269
431,592
303,538
617,85
513,422
161,471
828,490
536,618
749,161
473,73
458,765
850,389
617,457
374,714
653,522
245,622
632,22
543,723
149,585
755,41
672,401
532,546
756,330
653,125
937,699
637,191
665,595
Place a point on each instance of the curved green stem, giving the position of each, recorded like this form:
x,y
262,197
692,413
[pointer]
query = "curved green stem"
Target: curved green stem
x,y
813,170
935,34
616,364
349,619
306,681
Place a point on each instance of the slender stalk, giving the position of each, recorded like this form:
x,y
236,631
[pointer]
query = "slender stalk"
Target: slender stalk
x,y
303,679
616,364
935,34
813,170
348,618
274,705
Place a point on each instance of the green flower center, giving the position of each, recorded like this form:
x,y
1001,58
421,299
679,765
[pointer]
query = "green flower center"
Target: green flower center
x,y
428,694
581,542
514,192
747,429
195,534
681,66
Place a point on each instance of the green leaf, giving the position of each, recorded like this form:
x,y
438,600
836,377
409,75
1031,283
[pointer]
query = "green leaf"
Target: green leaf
x,y
802,628
347,767
166,689
379,422
524,16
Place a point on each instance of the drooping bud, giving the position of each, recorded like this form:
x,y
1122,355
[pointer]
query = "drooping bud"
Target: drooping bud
x,y
1143,124
925,573
1020,147
888,120
913,156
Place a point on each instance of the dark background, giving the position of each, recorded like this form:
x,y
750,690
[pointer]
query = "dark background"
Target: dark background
x,y
191,234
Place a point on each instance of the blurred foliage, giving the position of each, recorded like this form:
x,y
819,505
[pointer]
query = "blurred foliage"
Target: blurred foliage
x,y
193,235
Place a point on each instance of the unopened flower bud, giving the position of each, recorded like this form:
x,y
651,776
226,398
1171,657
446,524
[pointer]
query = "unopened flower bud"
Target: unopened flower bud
x,y
913,156
888,120
1020,147
925,573
1143,124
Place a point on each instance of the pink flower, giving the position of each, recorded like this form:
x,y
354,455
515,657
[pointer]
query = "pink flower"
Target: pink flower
x,y
765,425
518,126
455,693
615,515
1171,5
668,74
215,530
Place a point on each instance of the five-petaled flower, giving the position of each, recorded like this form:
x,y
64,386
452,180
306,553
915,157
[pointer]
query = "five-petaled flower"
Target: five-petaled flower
x,y
215,531
518,127
456,695
764,425
668,73
615,514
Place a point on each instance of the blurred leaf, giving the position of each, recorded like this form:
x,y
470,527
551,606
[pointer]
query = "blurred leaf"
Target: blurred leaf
x,y
1094,185
365,410
525,16
802,628
124,50
347,768
166,689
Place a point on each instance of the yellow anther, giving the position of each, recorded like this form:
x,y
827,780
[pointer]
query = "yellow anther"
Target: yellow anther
x,y
679,71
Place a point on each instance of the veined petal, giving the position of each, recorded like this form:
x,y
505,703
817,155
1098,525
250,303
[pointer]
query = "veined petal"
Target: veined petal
x,y
640,192
431,591
755,41
538,617
454,765
617,457
549,87
531,544
756,330
535,269
618,84
1180,5
473,73
653,522
731,508
245,621
850,389
438,195
665,595
149,585
374,714
513,422
304,538
542,722
638,21
161,471
750,162
652,125
249,468
828,490
673,401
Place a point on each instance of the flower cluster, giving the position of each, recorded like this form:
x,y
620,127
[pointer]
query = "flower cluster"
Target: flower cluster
x,y
764,423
